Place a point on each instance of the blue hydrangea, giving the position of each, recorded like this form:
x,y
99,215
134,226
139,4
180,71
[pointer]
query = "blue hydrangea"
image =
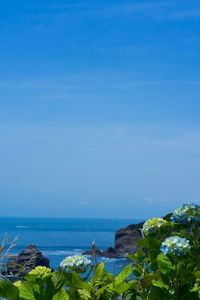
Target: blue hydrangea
x,y
75,263
175,245
187,213
152,225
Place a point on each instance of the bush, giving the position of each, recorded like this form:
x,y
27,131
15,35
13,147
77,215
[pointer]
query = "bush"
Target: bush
x,y
166,266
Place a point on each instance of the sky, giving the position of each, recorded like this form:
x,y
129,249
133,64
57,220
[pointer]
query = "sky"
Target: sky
x,y
99,107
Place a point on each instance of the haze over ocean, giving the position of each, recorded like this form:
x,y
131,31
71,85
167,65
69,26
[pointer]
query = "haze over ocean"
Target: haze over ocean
x,y
99,107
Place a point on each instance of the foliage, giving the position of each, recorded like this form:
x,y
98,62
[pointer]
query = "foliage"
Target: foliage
x,y
166,266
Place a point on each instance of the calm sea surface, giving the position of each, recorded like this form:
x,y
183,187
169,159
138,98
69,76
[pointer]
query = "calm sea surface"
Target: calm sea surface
x,y
58,238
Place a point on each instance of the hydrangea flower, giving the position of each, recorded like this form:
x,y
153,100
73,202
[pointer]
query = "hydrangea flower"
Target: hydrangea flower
x,y
76,263
187,213
175,245
152,225
41,272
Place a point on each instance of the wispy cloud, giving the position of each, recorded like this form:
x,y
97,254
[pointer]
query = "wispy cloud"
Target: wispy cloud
x,y
52,16
90,82
130,50
186,14
109,137
170,10
161,10
107,163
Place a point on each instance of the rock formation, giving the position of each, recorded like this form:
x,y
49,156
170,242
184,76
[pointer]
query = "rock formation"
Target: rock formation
x,y
125,242
126,239
25,261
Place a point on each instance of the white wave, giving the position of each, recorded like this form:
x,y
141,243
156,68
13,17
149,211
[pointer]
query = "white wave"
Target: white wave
x,y
62,252
23,226
111,260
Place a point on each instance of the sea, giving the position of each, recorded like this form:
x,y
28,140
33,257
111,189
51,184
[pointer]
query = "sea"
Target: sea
x,y
57,238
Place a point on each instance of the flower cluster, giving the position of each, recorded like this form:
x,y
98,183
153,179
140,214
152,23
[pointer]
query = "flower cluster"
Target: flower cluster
x,y
41,272
76,263
152,225
175,245
187,213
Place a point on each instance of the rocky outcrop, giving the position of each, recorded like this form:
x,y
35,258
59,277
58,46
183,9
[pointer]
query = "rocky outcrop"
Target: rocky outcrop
x,y
109,253
25,261
126,239
125,242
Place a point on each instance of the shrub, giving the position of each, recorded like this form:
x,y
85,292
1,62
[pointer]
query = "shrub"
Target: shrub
x,y
166,266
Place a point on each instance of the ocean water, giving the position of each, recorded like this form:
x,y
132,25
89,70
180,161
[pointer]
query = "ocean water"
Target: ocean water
x,y
58,238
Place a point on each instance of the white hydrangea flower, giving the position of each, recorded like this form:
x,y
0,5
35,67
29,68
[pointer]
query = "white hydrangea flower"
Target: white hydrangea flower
x,y
187,213
152,225
175,245
75,263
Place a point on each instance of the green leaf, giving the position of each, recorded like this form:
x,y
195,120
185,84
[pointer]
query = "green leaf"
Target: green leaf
x,y
168,217
68,278
8,290
197,274
160,284
147,280
123,287
143,242
154,244
84,294
156,294
31,278
61,295
78,282
99,270
27,292
164,264
137,271
100,291
36,288
58,280
137,257
165,228
126,272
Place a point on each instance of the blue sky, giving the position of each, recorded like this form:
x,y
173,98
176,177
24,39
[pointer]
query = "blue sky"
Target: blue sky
x,y
99,107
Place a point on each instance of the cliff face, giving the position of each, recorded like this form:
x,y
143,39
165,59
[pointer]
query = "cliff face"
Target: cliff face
x,y
125,242
126,239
